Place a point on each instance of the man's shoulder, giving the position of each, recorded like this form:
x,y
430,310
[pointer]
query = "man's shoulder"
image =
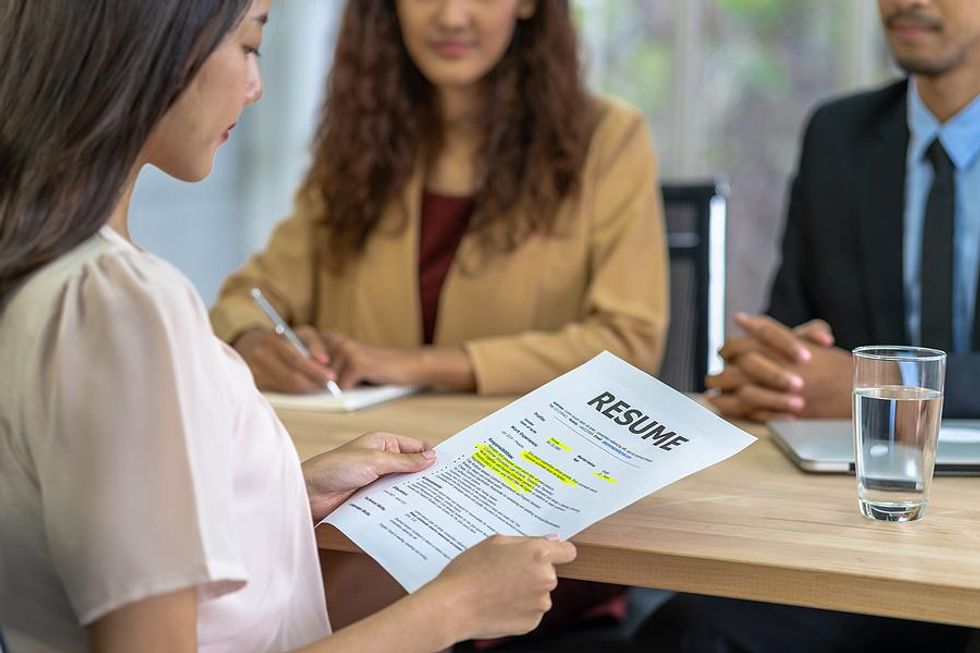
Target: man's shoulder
x,y
859,112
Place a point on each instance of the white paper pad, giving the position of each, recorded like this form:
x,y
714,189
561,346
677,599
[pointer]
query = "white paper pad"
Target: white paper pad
x,y
353,399
557,460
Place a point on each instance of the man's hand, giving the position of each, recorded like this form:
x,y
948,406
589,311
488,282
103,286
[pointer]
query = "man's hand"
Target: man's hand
x,y
775,372
765,333
333,476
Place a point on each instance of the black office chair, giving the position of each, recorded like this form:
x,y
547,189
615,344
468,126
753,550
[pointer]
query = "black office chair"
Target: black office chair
x,y
695,214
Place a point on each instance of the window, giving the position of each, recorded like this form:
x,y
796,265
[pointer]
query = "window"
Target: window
x,y
727,86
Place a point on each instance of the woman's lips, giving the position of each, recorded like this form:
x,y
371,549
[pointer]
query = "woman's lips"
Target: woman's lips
x,y
452,49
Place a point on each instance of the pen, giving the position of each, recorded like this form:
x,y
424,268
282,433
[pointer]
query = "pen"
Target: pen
x,y
283,330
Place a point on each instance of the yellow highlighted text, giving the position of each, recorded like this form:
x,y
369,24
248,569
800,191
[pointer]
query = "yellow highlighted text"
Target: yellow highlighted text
x,y
548,467
558,443
510,473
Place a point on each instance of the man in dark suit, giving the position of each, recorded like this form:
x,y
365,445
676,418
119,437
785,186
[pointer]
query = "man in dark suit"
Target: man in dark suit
x,y
881,246
883,232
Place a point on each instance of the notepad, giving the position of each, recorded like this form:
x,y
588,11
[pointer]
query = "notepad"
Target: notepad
x,y
353,399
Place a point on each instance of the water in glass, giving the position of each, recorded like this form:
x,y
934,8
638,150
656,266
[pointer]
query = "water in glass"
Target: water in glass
x,y
895,449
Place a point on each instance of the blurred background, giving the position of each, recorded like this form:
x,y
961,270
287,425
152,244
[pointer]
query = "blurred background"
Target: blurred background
x,y
726,84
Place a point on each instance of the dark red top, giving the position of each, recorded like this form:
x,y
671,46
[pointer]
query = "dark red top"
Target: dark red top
x,y
444,221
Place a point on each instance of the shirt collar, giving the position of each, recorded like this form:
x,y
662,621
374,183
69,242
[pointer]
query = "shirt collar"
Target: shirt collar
x,y
960,135
115,237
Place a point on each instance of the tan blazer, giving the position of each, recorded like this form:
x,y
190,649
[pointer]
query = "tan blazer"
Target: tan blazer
x,y
523,317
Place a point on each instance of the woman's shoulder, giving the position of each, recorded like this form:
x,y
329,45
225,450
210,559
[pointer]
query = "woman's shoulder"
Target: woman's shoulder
x,y
101,282
619,130
614,116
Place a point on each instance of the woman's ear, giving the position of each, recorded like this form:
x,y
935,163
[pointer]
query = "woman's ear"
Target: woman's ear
x,y
526,9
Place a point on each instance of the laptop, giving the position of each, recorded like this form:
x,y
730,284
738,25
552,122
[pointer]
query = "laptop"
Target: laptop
x,y
827,446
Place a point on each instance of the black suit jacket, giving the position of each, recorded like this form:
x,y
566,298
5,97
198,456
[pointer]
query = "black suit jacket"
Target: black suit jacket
x,y
842,249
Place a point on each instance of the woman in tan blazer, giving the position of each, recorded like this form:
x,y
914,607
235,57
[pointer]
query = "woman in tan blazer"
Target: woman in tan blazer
x,y
473,219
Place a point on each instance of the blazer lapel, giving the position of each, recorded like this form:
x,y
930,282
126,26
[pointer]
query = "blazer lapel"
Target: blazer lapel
x,y
388,305
411,205
881,226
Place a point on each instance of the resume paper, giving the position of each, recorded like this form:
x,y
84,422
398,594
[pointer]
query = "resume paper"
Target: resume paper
x,y
557,460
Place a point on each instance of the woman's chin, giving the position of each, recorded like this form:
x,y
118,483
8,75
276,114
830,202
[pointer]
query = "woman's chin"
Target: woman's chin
x,y
189,171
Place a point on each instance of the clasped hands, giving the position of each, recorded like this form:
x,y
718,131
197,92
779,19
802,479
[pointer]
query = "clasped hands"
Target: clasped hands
x,y
776,372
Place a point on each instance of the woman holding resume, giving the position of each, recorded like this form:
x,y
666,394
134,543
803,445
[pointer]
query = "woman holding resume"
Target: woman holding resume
x,y
473,219
150,498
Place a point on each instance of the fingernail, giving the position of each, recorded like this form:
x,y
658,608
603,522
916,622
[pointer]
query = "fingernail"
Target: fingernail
x,y
796,402
551,536
795,382
803,354
429,454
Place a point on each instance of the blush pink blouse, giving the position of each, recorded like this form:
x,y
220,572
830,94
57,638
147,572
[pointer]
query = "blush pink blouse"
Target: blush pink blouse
x,y
138,458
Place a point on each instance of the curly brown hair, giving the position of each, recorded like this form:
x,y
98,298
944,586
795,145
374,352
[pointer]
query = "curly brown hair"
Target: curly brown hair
x,y
379,118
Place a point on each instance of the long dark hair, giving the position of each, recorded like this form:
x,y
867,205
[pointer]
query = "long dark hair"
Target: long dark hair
x,y
82,84
379,117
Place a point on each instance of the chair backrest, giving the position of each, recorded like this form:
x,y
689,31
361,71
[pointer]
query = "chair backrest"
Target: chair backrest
x,y
695,214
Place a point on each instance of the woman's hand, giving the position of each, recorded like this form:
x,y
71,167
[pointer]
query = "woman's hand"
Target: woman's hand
x,y
278,367
502,586
357,362
333,476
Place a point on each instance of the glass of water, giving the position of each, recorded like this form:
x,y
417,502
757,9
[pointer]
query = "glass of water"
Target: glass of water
x,y
898,403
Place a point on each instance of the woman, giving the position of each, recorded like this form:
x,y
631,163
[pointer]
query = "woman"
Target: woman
x,y
473,219
150,499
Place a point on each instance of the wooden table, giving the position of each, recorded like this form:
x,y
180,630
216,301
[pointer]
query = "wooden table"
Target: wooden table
x,y
751,527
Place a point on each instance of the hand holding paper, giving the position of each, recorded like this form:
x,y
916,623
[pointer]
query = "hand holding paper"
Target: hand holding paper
x,y
557,460
523,574
333,476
